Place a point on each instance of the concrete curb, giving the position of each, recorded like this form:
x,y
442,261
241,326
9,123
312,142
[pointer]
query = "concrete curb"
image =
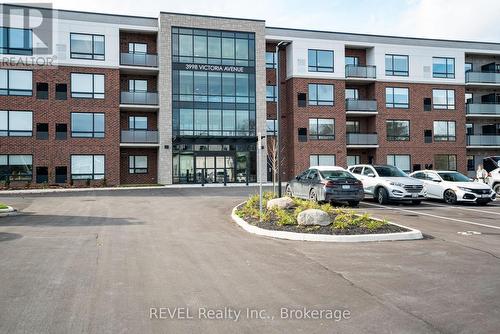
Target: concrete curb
x,y
413,234
10,211
173,186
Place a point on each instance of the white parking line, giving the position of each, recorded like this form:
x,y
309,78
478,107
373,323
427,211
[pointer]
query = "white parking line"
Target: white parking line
x,y
467,209
435,216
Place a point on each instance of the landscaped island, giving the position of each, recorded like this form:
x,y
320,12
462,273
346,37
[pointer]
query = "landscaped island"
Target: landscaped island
x,y
302,216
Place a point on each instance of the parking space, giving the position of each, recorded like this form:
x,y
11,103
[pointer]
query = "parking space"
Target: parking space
x,y
96,262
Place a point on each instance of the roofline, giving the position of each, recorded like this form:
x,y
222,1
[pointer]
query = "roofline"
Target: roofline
x,y
382,36
79,11
212,16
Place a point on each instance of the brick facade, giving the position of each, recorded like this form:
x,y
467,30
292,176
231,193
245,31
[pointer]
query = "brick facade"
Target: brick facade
x,y
51,152
150,177
133,37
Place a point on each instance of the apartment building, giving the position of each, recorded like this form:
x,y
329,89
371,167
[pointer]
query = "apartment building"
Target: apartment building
x,y
182,99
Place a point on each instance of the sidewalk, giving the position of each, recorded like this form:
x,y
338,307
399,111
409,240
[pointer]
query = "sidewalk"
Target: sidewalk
x,y
171,186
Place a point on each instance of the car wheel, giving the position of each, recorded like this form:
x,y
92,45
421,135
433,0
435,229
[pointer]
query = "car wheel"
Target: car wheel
x,y
496,188
353,203
382,197
450,197
312,196
288,191
416,202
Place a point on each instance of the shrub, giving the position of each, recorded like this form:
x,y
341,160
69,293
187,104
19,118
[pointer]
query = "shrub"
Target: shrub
x,y
285,217
344,219
373,224
3,206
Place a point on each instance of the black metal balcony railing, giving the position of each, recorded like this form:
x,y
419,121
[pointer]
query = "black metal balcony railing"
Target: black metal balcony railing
x,y
355,71
139,136
360,105
362,139
482,77
149,98
483,140
139,59
483,109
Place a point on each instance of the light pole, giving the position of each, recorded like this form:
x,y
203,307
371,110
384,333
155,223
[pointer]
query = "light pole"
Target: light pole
x,y
278,115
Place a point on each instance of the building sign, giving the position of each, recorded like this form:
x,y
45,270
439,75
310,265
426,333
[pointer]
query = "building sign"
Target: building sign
x,y
213,68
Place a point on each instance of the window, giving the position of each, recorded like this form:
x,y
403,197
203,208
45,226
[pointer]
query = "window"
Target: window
x,y
427,136
445,162
87,86
321,128
352,60
469,129
135,85
398,130
42,174
16,123
468,67
61,174
213,47
270,59
61,131
271,94
321,160
16,82
16,167
469,97
87,167
302,99
87,46
137,123
443,98
352,126
351,93
396,65
42,90
61,91
137,48
397,97
402,161
443,67
427,104
353,160
320,60
444,131
471,163
271,127
302,134
321,95
42,131
88,125
138,164
16,41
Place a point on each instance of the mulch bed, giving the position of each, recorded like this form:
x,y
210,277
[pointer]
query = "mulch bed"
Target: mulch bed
x,y
272,225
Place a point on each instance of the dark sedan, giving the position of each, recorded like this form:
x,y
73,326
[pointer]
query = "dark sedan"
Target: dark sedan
x,y
327,184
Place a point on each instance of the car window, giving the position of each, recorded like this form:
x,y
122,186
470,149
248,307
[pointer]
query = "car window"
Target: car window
x,y
432,176
357,170
303,175
420,176
454,177
313,175
389,171
336,174
367,171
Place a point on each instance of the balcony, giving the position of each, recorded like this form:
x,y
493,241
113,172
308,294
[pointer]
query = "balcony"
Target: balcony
x,y
139,98
360,72
482,78
139,59
361,107
483,109
362,139
139,137
483,141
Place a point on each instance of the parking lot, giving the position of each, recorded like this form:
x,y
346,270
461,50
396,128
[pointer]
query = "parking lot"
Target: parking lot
x,y
97,261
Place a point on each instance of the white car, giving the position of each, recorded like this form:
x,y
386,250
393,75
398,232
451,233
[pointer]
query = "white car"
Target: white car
x,y
492,166
388,183
453,187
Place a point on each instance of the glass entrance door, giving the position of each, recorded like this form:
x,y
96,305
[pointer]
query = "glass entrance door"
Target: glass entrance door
x,y
214,168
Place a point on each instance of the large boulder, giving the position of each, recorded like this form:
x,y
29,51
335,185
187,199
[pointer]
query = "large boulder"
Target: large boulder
x,y
280,203
313,217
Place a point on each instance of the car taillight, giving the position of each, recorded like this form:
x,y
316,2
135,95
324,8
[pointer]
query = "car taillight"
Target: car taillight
x,y
328,184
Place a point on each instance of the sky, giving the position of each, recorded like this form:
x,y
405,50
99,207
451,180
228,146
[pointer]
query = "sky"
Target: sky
x,y
477,20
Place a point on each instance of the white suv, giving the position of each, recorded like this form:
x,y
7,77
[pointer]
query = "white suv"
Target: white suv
x,y
388,183
492,166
